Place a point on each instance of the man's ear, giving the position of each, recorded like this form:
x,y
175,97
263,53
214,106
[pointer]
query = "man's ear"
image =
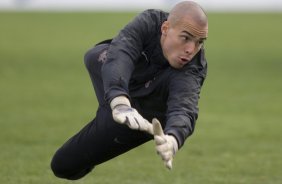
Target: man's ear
x,y
164,27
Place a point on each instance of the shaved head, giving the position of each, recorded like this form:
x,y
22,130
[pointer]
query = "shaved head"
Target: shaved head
x,y
183,33
192,14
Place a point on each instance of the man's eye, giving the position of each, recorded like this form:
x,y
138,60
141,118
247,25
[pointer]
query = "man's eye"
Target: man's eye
x,y
186,38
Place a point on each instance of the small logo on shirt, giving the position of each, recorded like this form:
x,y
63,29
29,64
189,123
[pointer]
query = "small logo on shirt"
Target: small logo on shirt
x,y
147,84
103,56
145,56
116,140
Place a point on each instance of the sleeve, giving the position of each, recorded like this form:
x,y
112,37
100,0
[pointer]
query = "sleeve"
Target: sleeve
x,y
124,51
182,111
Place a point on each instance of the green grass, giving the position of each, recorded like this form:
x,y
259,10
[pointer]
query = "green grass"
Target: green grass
x,y
46,96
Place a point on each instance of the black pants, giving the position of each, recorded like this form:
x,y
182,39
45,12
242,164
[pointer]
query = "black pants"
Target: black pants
x,y
100,140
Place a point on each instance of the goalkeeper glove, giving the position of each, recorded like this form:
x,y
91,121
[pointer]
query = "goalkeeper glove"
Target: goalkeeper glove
x,y
123,113
166,145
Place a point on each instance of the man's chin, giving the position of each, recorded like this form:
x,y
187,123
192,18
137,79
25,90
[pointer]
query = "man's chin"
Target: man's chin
x,y
176,65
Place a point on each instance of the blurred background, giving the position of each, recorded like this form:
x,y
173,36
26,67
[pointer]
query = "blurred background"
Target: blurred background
x,y
46,94
123,5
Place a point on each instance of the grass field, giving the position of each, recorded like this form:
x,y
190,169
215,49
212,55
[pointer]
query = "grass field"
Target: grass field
x,y
46,96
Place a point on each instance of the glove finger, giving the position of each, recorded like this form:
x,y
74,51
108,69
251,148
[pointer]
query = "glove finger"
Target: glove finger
x,y
137,120
157,128
168,164
149,128
141,123
146,126
132,122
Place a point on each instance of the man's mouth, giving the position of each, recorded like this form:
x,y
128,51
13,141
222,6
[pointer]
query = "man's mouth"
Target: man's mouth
x,y
184,60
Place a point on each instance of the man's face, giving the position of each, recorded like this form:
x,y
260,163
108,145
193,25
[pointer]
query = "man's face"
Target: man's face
x,y
179,45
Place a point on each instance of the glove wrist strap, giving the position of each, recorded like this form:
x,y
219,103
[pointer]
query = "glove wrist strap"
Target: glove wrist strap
x,y
120,100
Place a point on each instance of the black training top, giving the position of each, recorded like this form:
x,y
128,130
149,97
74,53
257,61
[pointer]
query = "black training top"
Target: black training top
x,y
136,68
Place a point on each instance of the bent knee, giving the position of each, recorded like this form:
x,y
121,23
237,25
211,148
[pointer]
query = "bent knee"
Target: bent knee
x,y
59,168
95,56
62,169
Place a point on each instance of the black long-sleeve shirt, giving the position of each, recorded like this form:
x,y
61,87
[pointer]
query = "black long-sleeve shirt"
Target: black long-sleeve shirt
x,y
136,68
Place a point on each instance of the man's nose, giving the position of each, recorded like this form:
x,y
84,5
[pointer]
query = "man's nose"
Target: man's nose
x,y
190,47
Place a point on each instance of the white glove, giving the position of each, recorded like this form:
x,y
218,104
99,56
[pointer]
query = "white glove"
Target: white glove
x,y
123,113
166,145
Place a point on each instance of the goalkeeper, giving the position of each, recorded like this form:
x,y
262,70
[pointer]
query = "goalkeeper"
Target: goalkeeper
x,y
152,71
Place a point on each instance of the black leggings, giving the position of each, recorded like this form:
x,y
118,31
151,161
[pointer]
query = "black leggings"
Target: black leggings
x,y
100,140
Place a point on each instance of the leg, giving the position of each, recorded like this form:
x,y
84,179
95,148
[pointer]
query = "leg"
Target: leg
x,y
99,141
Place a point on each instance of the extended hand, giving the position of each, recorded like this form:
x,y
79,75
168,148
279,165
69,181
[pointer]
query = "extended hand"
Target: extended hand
x,y
166,145
124,114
